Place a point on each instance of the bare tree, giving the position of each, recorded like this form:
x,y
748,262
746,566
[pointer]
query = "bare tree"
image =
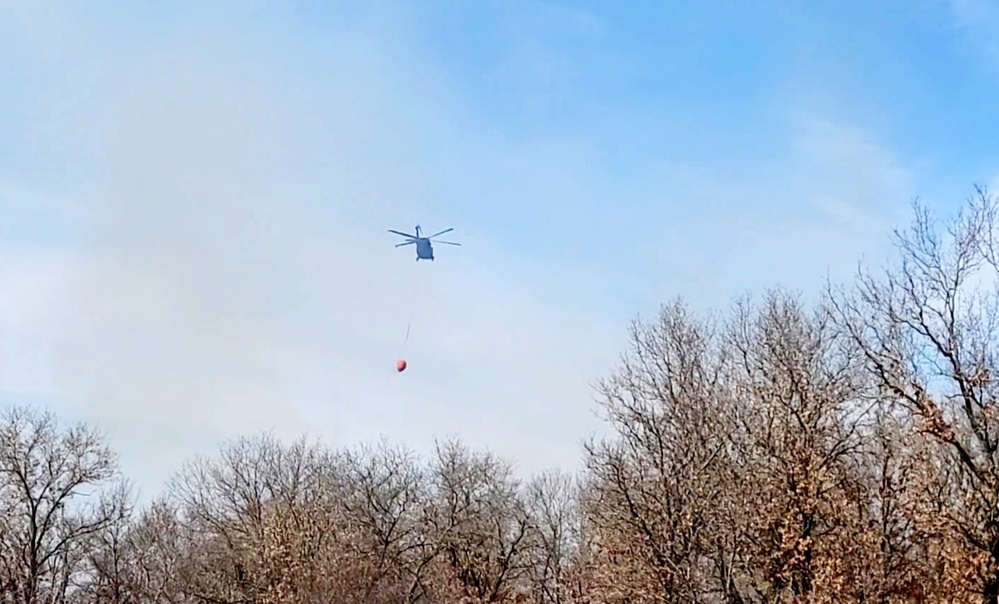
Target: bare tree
x,y
553,500
927,330
480,526
157,552
232,506
656,485
386,495
800,410
109,575
51,480
887,554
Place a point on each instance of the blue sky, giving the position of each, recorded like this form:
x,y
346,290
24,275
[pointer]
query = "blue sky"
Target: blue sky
x,y
195,199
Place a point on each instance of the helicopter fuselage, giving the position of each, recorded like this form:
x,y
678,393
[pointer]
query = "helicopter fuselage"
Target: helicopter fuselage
x,y
424,250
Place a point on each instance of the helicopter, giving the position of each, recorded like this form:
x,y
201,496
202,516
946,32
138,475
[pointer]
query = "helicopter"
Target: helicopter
x,y
424,249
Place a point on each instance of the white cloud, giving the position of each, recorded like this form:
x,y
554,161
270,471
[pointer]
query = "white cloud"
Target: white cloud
x,y
237,275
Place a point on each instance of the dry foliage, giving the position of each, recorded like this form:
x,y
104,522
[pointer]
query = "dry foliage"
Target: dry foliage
x,y
841,452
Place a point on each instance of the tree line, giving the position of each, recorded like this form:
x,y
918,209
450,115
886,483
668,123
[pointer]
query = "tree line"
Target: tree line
x,y
843,451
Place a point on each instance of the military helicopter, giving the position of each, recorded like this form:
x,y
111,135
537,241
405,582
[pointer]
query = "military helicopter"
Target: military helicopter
x,y
424,249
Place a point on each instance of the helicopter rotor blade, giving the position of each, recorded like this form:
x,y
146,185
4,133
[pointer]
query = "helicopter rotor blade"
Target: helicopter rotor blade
x,y
405,243
448,242
403,234
441,233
